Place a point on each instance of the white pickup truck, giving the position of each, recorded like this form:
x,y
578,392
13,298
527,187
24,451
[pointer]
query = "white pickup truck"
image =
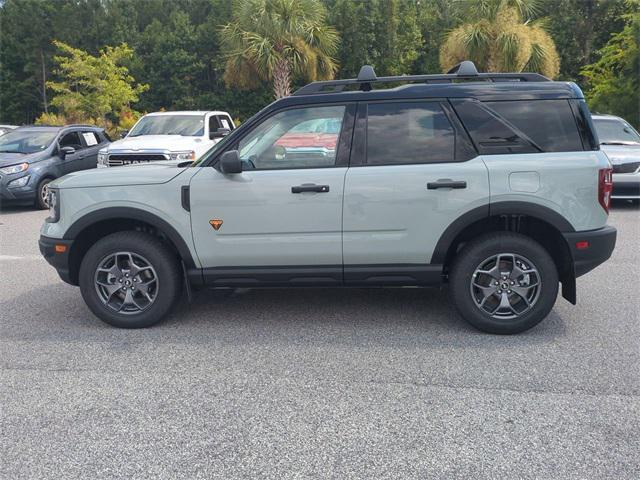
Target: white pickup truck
x,y
167,136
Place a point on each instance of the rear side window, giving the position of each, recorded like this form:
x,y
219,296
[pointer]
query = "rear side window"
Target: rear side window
x,y
408,132
549,123
490,135
91,139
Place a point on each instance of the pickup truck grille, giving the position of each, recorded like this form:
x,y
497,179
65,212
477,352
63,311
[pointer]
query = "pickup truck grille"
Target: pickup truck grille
x,y
626,167
116,159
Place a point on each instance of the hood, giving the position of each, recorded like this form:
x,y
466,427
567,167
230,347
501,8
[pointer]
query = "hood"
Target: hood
x,y
7,159
619,154
173,143
139,174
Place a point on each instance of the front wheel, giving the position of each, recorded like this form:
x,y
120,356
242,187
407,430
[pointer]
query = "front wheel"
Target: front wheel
x,y
42,194
504,283
130,279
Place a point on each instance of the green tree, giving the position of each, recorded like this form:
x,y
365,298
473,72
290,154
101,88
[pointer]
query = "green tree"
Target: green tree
x,y
500,36
614,80
579,28
94,87
277,40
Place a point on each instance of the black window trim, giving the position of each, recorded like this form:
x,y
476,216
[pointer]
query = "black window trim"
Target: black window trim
x,y
344,137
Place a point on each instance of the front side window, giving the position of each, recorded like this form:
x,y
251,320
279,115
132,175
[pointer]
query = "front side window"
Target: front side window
x,y
411,132
296,138
615,132
71,140
26,141
185,125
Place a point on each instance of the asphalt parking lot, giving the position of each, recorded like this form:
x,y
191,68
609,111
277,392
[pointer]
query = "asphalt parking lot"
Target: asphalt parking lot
x,y
316,383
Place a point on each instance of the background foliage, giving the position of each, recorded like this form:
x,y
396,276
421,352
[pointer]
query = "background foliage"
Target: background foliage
x,y
178,53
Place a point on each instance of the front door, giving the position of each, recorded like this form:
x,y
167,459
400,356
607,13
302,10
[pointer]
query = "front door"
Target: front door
x,y
280,220
74,161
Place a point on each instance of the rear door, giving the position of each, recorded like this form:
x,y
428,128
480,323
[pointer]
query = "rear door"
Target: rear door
x,y
92,144
413,172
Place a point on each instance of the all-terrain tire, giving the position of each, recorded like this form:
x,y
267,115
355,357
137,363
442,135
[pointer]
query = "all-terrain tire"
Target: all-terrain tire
x,y
467,297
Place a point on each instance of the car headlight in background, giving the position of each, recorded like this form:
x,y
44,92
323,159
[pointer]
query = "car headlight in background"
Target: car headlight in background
x,y
190,155
54,206
102,158
21,167
19,182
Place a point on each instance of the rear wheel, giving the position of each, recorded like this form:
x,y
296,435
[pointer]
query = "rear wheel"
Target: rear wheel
x,y
130,279
504,283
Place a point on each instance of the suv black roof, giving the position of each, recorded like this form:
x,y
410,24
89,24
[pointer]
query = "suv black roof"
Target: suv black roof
x,y
463,81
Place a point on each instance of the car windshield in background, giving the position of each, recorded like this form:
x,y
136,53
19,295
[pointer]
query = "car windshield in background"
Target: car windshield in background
x,y
185,125
615,132
26,141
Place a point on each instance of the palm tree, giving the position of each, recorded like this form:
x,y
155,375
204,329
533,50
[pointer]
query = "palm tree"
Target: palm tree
x,y
277,40
500,36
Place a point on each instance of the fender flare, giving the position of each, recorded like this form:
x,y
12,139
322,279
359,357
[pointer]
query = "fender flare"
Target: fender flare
x,y
499,208
131,213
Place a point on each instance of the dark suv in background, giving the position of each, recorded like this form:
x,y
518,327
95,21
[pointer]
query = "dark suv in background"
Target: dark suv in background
x,y
31,157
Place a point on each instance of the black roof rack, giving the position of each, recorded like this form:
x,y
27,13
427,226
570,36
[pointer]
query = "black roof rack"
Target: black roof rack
x,y
463,71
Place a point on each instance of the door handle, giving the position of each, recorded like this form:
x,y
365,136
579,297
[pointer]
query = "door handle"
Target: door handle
x,y
310,187
446,183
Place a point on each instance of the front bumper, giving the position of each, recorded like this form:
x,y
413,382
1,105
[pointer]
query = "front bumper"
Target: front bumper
x,y
591,248
626,186
28,192
60,260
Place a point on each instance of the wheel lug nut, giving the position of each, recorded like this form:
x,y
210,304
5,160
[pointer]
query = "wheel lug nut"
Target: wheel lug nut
x,y
508,291
120,280
499,291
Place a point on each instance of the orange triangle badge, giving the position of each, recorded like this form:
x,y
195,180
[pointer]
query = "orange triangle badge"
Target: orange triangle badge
x,y
216,223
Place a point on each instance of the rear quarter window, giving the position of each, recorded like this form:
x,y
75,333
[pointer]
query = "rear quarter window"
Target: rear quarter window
x,y
549,123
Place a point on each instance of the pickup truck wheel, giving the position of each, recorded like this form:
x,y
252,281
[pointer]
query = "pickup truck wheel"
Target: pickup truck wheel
x,y
130,279
503,283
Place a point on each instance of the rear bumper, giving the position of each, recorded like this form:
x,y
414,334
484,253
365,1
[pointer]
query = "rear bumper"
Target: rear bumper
x,y
58,260
600,244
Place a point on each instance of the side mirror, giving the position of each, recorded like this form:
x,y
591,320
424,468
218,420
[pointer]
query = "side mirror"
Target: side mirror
x,y
64,151
124,133
230,162
219,133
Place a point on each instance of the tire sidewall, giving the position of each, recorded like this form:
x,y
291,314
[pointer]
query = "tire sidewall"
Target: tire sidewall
x,y
156,254
39,202
481,249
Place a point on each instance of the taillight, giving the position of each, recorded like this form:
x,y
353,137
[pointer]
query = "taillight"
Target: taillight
x,y
605,186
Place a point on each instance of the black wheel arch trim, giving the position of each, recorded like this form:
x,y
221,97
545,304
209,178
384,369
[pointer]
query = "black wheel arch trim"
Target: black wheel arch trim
x,y
499,208
131,213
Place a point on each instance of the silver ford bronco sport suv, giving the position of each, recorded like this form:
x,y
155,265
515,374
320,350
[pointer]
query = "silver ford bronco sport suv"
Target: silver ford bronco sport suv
x,y
491,184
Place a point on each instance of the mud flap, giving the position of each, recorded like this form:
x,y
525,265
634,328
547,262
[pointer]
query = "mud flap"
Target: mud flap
x,y
187,284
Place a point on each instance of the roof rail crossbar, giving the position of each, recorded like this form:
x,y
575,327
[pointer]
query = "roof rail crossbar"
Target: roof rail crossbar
x,y
463,71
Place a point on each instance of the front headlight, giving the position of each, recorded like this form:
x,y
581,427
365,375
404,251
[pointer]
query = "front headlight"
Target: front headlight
x,y
19,182
190,155
14,168
102,157
54,206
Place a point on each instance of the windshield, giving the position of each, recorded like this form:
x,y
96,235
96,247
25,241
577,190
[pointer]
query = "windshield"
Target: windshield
x,y
615,132
185,125
26,141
